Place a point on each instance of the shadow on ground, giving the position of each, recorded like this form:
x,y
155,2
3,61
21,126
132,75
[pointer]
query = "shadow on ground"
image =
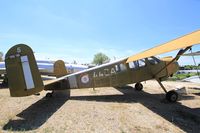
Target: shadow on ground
x,y
36,114
182,116
185,118
198,94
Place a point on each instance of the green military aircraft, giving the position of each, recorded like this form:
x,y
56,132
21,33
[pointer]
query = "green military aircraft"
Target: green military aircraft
x,y
24,77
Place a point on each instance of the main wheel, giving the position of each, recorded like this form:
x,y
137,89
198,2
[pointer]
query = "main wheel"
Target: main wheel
x,y
5,81
138,86
59,93
172,96
49,94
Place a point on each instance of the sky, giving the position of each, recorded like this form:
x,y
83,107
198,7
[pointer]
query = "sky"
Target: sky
x,y
78,29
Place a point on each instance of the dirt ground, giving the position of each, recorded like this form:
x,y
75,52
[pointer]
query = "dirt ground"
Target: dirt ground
x,y
108,110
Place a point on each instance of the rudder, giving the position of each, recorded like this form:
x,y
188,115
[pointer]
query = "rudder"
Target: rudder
x,y
22,71
59,68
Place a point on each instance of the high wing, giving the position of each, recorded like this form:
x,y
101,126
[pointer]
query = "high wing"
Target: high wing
x,y
179,43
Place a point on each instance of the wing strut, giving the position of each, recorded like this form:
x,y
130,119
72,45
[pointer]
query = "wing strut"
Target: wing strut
x,y
162,86
182,51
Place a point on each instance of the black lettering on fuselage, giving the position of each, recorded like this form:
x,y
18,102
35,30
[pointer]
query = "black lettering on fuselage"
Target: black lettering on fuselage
x,y
104,73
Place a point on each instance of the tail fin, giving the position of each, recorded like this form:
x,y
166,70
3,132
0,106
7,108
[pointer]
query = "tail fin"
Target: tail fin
x,y
23,75
59,68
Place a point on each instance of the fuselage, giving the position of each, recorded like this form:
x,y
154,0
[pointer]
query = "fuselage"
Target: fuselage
x,y
120,73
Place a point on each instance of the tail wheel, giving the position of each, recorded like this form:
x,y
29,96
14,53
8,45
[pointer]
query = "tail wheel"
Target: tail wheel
x,y
59,93
49,94
5,81
172,96
138,86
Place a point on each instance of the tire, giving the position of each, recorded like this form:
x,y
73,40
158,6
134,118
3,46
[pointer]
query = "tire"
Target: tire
x,y
172,96
5,81
138,86
59,94
49,95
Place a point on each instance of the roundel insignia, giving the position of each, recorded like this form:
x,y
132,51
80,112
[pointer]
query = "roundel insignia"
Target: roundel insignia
x,y
85,79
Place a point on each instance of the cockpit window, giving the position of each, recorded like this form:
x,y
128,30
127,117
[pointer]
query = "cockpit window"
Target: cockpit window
x,y
137,64
122,67
117,68
131,65
153,60
141,62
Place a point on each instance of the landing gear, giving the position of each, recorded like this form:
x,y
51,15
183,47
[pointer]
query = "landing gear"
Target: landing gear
x,y
49,94
37,94
172,96
138,86
59,93
5,81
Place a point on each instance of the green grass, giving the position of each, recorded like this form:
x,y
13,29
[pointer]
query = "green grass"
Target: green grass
x,y
181,76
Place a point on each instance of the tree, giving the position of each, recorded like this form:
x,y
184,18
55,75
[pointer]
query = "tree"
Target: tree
x,y
100,58
1,56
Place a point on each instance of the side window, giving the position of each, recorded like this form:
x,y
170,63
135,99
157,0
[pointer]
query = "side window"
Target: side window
x,y
136,64
131,65
141,62
123,67
153,60
117,68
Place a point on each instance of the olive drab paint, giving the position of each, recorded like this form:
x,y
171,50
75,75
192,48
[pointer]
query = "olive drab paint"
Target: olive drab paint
x,y
59,68
24,77
22,71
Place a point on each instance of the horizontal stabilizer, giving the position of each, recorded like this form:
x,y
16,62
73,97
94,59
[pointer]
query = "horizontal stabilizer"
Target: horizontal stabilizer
x,y
179,43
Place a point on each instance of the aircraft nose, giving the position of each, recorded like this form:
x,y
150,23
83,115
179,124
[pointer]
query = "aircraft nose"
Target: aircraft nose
x,y
176,66
173,68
